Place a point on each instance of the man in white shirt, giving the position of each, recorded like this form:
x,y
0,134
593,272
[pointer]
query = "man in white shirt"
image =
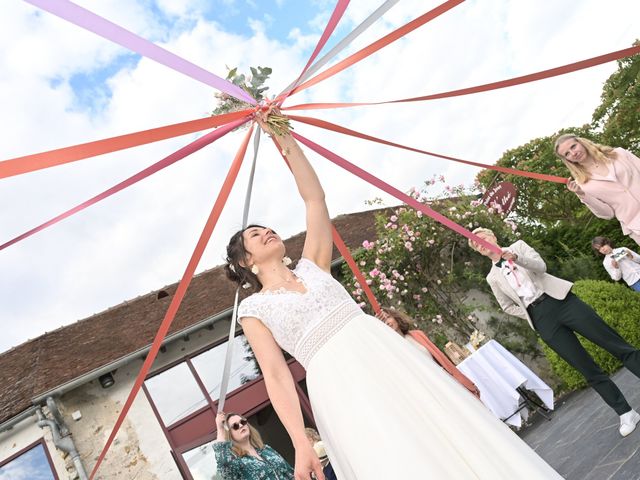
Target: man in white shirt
x,y
620,263
519,281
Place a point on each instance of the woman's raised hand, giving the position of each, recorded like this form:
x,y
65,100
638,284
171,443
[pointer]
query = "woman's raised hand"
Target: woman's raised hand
x,y
220,419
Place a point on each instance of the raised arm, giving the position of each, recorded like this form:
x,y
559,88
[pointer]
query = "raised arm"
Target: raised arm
x,y
528,257
318,244
282,392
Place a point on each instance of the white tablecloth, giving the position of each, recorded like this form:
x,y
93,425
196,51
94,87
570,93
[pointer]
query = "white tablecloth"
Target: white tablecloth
x,y
497,374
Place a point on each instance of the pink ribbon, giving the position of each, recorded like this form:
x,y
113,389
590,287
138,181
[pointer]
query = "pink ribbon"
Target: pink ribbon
x,y
156,167
375,181
109,30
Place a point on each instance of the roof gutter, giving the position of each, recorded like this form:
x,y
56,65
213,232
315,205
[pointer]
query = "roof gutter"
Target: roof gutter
x,y
98,372
122,361
12,422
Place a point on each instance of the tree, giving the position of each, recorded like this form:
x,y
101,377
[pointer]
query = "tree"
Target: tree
x,y
617,115
417,264
539,201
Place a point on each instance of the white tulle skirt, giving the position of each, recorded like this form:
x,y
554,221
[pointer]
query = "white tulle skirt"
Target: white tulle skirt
x,y
386,411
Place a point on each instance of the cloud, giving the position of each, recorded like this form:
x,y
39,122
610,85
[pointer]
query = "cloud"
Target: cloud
x,y
141,239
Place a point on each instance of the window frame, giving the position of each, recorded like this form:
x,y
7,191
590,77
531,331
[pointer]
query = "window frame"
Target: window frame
x,y
33,445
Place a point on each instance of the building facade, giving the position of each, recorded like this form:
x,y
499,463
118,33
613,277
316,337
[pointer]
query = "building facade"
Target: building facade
x,y
62,392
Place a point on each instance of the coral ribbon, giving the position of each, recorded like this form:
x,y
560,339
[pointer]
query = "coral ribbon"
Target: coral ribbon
x,y
156,167
375,181
532,77
347,131
379,44
100,26
219,204
346,254
60,156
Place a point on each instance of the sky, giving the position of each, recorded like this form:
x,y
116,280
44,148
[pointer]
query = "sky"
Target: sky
x,y
61,85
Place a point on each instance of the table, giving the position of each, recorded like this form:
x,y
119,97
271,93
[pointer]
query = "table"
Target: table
x,y
498,374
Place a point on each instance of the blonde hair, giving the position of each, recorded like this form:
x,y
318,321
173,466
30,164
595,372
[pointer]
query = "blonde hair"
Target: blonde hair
x,y
601,153
404,321
255,439
478,230
312,434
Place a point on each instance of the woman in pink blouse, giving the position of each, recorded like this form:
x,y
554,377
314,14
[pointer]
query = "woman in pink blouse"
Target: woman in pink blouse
x,y
605,179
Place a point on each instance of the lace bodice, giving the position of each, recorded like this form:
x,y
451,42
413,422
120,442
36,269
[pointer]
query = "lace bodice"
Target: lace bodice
x,y
302,322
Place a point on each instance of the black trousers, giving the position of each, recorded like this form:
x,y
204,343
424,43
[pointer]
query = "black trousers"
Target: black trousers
x,y
557,320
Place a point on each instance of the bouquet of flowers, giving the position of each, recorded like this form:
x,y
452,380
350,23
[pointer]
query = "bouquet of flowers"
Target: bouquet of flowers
x,y
254,85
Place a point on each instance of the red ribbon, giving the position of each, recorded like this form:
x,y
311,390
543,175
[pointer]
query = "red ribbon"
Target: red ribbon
x,y
337,14
60,156
340,129
532,77
156,167
219,204
346,254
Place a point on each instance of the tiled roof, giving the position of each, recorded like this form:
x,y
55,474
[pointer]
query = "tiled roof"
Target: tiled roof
x,y
58,357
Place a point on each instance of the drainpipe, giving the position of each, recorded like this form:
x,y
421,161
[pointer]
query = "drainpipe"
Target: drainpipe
x,y
61,436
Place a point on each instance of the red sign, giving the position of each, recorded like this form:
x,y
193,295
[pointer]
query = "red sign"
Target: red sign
x,y
501,197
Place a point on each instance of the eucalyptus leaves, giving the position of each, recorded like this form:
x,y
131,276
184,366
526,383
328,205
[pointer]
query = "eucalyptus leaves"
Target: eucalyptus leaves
x,y
253,84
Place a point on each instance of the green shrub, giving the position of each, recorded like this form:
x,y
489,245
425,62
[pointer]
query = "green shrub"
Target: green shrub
x,y
619,306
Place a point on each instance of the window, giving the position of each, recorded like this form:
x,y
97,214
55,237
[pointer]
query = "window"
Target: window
x,y
201,462
33,463
175,393
243,369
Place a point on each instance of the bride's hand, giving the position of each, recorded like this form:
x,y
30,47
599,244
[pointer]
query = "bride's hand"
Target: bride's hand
x,y
308,464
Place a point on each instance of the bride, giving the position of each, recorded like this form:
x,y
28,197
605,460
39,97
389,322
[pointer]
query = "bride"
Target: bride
x,y
378,418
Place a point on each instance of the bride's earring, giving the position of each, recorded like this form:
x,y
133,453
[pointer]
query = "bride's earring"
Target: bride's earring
x,y
286,261
255,270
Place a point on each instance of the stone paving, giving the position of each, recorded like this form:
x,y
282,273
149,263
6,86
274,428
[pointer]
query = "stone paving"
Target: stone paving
x,y
582,441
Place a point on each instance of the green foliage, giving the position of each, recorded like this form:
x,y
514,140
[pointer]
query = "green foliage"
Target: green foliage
x,y
551,218
617,115
619,306
539,202
515,335
419,265
253,84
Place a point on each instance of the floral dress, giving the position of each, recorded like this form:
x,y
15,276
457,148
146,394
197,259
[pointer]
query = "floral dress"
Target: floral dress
x,y
232,467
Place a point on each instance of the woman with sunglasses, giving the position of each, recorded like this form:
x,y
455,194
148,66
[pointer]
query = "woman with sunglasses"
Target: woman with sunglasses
x,y
242,455
375,398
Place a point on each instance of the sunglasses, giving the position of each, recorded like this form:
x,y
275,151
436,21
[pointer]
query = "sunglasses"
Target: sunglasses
x,y
238,425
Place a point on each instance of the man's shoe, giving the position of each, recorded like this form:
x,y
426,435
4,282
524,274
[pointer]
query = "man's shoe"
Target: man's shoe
x,y
628,422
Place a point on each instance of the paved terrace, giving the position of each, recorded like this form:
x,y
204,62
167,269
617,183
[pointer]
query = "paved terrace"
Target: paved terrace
x,y
582,441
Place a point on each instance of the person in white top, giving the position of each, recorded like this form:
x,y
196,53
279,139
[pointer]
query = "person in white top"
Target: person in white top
x,y
519,281
620,263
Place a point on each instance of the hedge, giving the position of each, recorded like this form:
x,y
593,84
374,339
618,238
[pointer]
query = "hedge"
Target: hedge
x,y
619,306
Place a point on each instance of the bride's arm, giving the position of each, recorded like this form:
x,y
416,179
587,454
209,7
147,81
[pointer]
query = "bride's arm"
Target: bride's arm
x,y
282,393
318,244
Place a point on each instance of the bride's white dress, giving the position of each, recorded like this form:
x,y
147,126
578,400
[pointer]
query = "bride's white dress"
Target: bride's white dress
x,y
384,410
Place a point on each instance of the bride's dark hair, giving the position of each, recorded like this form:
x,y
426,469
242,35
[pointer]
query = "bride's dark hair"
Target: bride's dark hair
x,y
237,253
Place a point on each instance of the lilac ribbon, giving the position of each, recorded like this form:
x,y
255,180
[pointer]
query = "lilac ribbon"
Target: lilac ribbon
x,y
109,30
